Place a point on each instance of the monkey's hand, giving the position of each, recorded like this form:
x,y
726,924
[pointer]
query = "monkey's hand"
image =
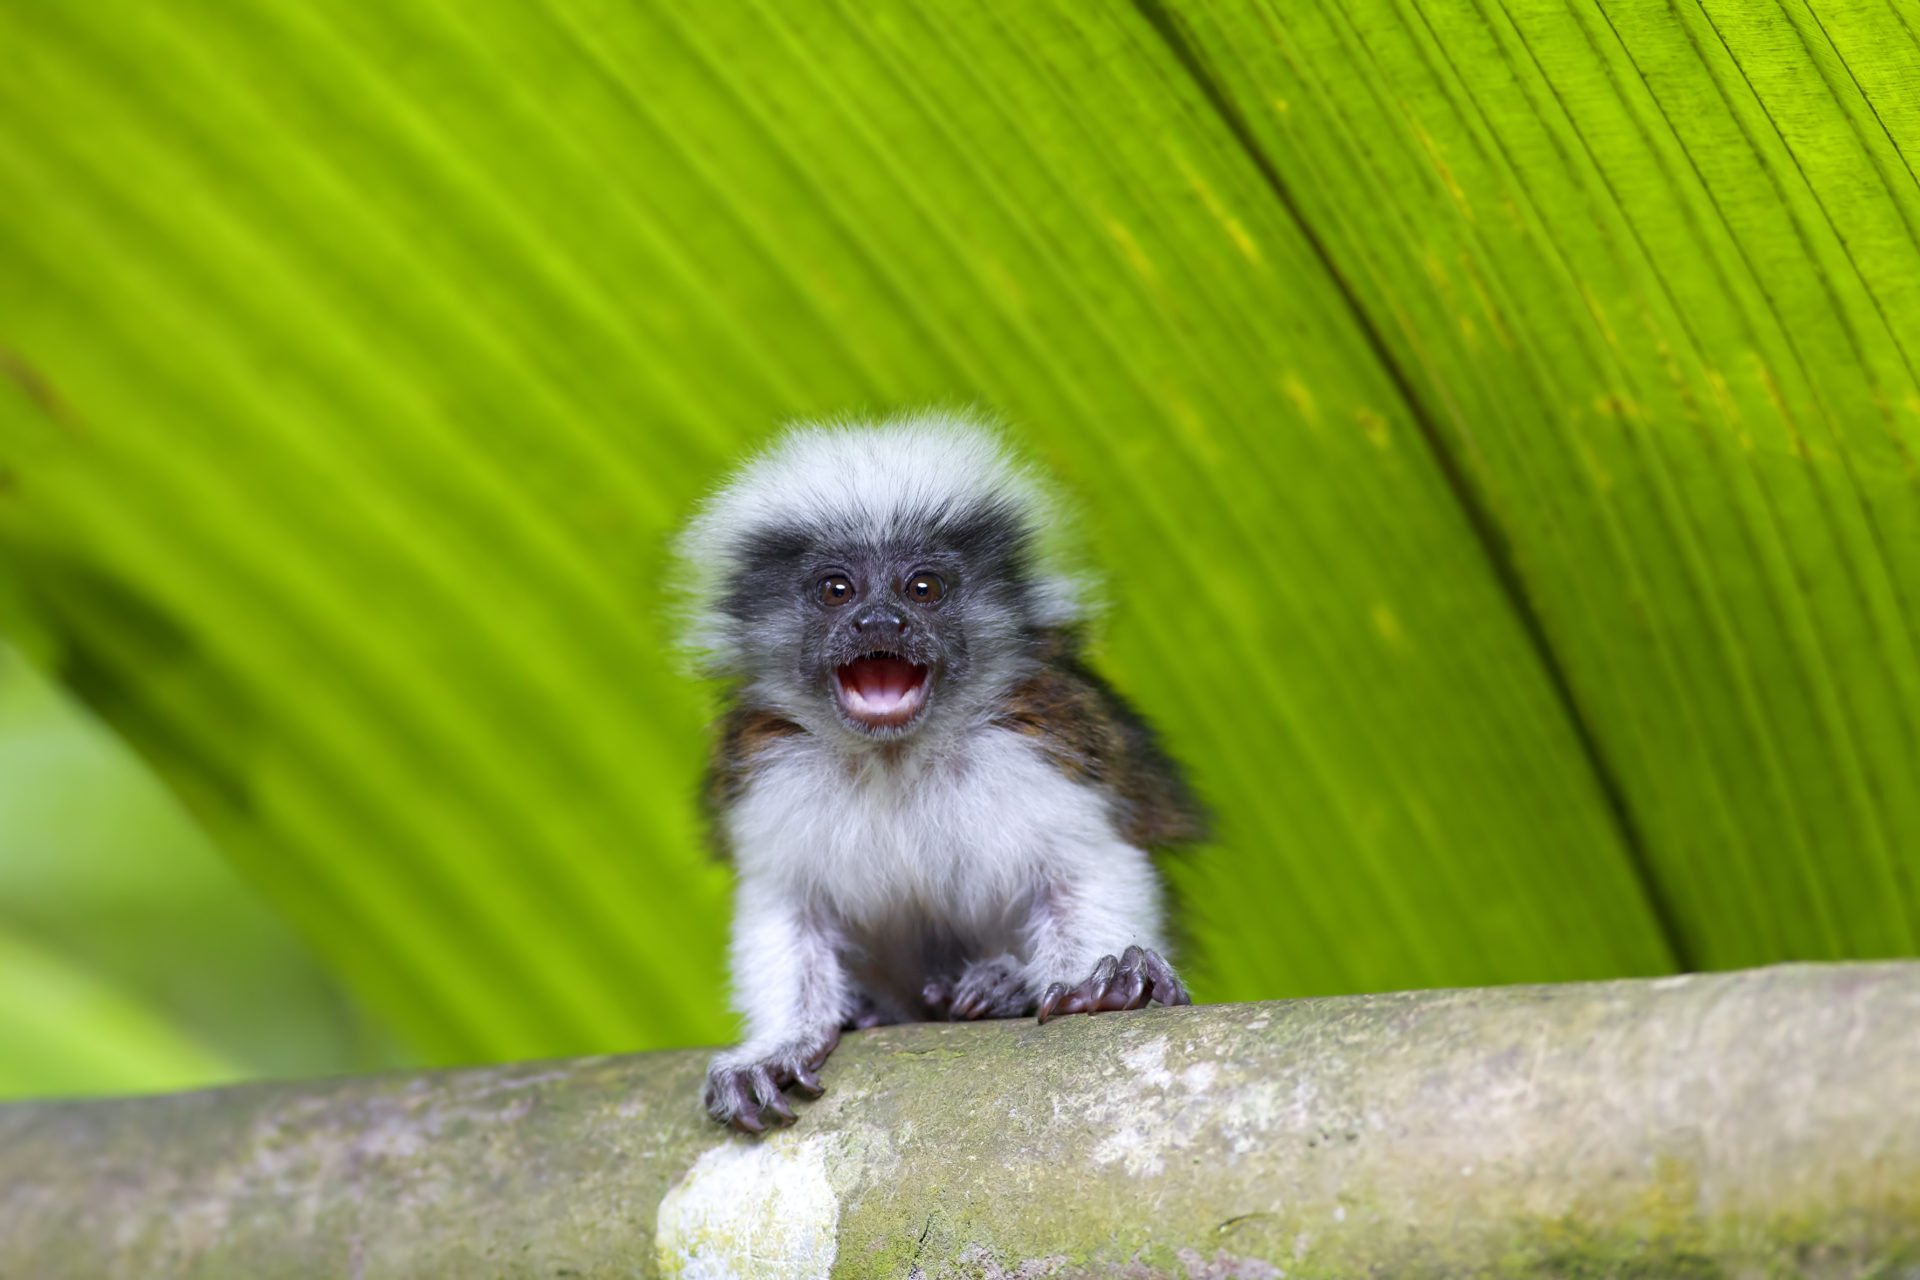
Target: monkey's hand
x,y
742,1091
988,989
1129,982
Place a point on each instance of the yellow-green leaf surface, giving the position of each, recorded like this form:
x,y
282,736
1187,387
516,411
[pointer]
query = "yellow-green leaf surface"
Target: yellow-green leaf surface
x,y
1651,273
1492,421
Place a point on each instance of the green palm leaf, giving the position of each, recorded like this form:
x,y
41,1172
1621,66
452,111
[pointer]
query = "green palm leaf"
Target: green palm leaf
x,y
1494,420
1651,275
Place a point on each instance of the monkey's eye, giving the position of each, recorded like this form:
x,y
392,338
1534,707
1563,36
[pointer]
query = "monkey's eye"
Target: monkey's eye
x,y
835,588
925,588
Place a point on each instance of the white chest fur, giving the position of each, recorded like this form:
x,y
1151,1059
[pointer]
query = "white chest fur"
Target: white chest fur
x,y
955,832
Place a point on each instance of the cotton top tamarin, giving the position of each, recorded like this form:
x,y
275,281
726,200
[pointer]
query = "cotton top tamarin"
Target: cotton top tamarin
x,y
935,809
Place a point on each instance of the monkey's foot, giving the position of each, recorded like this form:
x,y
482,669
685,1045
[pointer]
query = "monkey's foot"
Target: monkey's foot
x,y
868,1014
742,1094
1129,982
988,989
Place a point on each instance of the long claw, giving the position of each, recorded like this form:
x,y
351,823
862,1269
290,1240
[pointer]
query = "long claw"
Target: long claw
x,y
807,1081
820,1055
1130,986
1095,989
1050,1001
766,1092
1128,989
1167,987
740,1111
741,1104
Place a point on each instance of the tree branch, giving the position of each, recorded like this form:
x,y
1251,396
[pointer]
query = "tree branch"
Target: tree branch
x,y
1761,1123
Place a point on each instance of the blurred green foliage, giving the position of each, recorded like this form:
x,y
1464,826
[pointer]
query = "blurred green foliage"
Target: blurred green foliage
x,y
1497,420
130,955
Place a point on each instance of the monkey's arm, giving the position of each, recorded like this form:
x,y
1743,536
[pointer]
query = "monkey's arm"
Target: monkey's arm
x,y
1095,939
790,984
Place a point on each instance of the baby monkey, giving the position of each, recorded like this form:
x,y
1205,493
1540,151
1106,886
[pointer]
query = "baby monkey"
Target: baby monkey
x,y
935,809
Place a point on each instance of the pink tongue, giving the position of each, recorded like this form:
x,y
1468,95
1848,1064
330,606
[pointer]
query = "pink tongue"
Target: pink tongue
x,y
883,683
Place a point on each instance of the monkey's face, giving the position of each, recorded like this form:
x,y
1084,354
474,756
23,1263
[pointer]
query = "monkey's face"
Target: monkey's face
x,y
880,636
882,646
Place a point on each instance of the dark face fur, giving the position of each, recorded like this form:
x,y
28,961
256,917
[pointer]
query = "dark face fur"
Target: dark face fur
x,y
883,632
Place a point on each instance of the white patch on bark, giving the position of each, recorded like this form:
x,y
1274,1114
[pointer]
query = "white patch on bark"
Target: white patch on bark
x,y
1150,1109
762,1210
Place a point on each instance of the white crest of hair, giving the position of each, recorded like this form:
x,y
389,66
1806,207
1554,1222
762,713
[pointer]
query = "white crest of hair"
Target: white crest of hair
x,y
867,479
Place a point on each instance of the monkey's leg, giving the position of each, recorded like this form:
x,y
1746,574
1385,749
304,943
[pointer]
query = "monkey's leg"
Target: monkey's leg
x,y
791,985
1127,981
995,988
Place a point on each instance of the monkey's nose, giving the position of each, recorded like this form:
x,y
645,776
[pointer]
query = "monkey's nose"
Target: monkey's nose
x,y
878,620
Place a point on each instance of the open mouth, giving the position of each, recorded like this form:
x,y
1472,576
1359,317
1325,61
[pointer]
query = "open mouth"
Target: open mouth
x,y
881,690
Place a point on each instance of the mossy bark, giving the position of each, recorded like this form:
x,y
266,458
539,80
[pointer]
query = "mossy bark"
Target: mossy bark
x,y
1759,1123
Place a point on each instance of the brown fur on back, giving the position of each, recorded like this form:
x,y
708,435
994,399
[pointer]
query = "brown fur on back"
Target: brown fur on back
x,y
744,734
1093,735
